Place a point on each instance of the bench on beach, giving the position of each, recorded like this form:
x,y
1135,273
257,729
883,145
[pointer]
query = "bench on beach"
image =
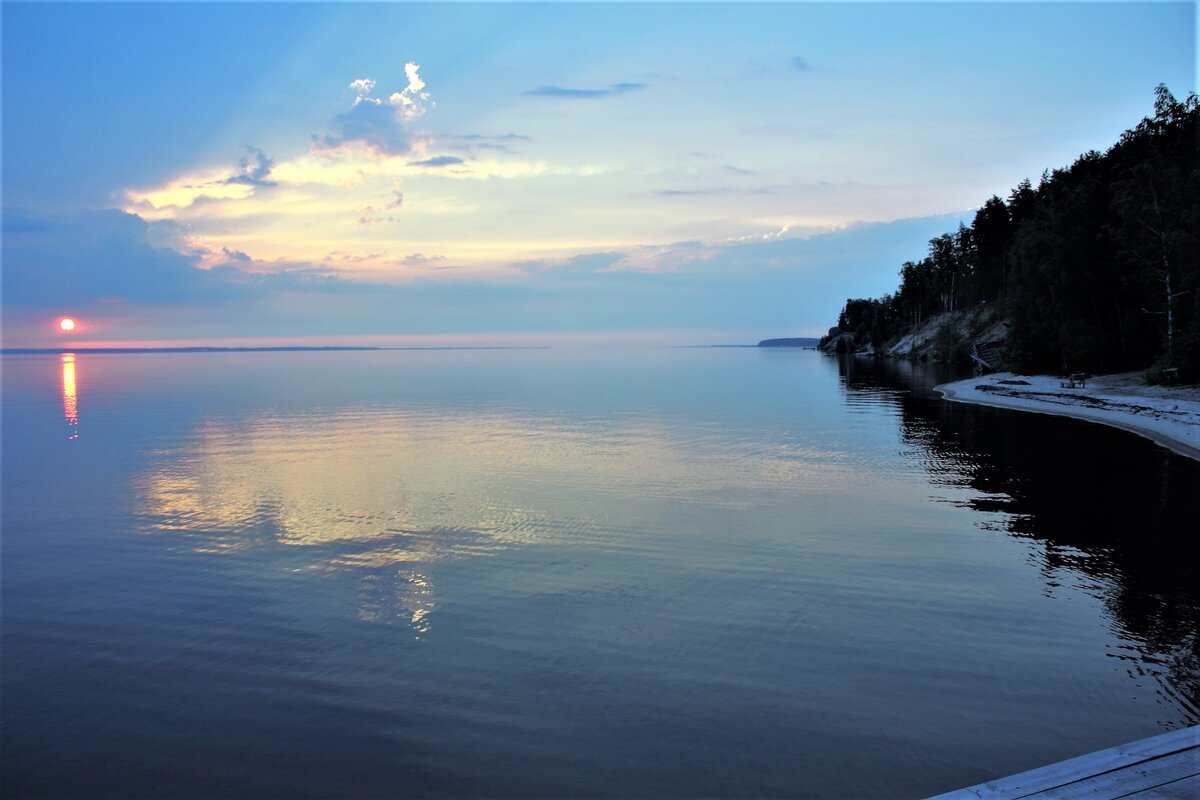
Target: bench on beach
x,y
1078,380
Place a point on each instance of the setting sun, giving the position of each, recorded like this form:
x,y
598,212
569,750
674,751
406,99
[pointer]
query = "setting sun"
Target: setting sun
x,y
66,324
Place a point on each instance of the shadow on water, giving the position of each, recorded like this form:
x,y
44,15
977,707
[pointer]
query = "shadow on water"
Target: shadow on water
x,y
1102,504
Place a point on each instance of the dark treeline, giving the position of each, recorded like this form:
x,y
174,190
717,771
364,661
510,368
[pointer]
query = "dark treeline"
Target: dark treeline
x,y
1095,268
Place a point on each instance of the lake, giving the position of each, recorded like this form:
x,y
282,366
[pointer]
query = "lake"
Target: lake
x,y
655,573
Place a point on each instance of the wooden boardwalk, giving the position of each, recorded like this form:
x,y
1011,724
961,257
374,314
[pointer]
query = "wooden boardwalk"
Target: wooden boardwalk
x,y
1164,766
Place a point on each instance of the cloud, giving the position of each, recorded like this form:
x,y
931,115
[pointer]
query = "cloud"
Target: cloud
x,y
799,64
411,101
585,94
254,168
370,215
438,161
362,89
109,258
99,255
690,192
105,263
376,124
470,142
420,258
252,172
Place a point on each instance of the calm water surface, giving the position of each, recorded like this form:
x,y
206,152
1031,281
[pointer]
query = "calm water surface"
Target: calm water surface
x,y
711,572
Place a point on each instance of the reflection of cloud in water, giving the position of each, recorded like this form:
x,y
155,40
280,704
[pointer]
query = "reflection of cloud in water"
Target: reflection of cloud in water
x,y
376,490
404,595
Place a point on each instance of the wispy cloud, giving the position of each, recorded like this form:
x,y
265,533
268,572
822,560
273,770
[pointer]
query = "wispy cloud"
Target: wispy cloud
x,y
586,94
470,142
438,161
689,192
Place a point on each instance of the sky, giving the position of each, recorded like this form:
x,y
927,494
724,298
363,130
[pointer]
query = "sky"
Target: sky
x,y
527,174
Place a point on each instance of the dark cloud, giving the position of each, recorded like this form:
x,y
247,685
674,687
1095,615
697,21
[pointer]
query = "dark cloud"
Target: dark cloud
x,y
799,64
585,94
254,168
95,255
379,126
20,220
106,257
438,161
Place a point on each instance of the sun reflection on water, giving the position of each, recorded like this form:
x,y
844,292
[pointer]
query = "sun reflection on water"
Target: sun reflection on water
x,y
70,404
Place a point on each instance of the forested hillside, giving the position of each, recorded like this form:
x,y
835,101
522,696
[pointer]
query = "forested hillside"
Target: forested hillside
x,y
1096,268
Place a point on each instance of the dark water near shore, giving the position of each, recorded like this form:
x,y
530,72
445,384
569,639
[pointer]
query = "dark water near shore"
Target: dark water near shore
x,y
556,573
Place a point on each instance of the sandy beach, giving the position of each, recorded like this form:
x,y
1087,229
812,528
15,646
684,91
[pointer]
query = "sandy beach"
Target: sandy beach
x,y
1168,415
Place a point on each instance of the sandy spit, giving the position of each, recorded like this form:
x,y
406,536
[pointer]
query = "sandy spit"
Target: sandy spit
x,y
1167,415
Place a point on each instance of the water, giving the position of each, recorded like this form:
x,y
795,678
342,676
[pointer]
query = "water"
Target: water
x,y
554,573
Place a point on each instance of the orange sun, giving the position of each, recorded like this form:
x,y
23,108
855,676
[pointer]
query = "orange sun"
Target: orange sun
x,y
66,324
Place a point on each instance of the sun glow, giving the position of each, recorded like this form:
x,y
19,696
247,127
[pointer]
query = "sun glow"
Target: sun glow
x,y
66,324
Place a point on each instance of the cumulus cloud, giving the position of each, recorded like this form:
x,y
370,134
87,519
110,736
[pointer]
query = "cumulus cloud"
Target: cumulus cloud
x,y
585,94
413,98
376,124
362,89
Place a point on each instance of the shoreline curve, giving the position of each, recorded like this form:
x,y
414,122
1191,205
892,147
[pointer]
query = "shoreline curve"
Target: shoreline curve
x,y
1180,437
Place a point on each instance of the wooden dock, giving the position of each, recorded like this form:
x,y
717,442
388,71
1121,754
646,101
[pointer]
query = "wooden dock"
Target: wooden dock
x,y
1164,766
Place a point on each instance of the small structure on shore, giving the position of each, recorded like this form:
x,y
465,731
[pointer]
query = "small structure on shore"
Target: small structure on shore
x,y
988,355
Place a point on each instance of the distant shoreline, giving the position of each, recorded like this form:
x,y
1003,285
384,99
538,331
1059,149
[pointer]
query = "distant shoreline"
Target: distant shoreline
x,y
1167,416
11,351
792,341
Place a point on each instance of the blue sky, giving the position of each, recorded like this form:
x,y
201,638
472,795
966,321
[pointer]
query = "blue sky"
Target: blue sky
x,y
539,173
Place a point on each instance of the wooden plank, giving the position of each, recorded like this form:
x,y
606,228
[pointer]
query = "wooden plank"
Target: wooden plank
x,y
1042,779
1138,777
1186,789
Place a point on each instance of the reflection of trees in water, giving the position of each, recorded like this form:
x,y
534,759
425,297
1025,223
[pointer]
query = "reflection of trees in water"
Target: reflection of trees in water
x,y
1102,503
